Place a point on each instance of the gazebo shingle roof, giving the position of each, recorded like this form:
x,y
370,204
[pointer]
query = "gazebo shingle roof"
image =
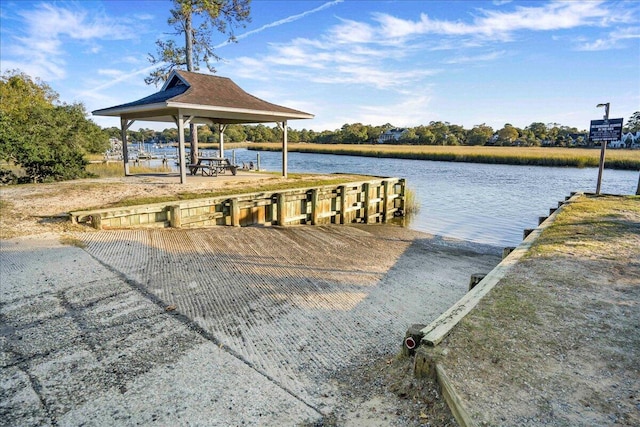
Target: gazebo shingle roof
x,y
207,96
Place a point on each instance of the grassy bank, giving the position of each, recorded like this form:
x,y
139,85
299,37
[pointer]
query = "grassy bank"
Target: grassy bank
x,y
530,156
569,309
293,181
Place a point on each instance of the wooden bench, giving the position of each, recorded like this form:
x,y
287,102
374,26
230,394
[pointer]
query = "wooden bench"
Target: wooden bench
x,y
205,169
225,165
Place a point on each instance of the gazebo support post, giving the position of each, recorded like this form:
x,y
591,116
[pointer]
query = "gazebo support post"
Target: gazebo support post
x,y
193,132
181,151
124,126
221,129
283,126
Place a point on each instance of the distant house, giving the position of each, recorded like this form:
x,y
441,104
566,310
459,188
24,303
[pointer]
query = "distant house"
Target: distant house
x,y
631,140
577,139
391,135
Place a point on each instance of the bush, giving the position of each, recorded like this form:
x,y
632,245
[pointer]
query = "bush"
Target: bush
x,y
48,140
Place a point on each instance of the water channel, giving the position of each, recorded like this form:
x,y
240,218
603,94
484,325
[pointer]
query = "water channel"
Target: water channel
x,y
483,203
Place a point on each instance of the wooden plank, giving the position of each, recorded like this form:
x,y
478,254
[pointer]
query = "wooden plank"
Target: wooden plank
x,y
451,396
202,218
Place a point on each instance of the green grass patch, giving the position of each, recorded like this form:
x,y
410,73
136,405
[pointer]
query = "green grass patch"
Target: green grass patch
x,y
297,182
590,223
115,169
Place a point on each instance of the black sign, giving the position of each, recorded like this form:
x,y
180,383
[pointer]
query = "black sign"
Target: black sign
x,y
605,130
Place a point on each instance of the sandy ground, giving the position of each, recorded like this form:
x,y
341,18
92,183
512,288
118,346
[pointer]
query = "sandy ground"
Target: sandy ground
x,y
220,326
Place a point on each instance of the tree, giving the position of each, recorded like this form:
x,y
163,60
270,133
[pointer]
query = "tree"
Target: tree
x,y
235,133
196,20
355,133
539,130
479,135
507,134
633,124
425,136
48,140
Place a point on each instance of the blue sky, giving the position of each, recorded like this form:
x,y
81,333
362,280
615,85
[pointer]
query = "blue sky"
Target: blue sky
x,y
401,62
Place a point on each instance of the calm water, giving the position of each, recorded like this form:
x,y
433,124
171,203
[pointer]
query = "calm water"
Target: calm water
x,y
483,203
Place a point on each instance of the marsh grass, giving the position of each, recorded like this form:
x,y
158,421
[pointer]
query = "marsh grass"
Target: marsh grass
x,y
411,203
528,156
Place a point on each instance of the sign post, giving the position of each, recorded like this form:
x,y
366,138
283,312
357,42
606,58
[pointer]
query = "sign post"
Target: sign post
x,y
604,131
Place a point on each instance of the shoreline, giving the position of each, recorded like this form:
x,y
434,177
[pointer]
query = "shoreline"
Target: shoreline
x,y
518,156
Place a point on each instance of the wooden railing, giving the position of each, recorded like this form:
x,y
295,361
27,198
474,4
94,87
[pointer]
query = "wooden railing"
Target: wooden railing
x,y
366,202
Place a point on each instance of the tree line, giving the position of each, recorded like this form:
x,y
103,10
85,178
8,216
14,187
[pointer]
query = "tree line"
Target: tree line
x,y
49,140
434,133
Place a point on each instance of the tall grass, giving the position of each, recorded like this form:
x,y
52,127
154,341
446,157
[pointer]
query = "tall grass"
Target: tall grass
x,y
530,156
411,204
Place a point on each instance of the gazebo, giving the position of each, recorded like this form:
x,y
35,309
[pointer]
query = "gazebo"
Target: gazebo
x,y
194,98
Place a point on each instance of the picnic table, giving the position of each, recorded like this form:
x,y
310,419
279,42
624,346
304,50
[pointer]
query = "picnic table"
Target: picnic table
x,y
212,166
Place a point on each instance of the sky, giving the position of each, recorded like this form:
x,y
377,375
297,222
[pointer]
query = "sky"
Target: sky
x,y
402,62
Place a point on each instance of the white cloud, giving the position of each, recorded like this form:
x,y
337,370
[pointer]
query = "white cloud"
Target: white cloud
x,y
613,40
349,32
40,49
501,25
491,56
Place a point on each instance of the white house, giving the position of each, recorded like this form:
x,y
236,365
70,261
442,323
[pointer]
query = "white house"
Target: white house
x,y
630,140
391,135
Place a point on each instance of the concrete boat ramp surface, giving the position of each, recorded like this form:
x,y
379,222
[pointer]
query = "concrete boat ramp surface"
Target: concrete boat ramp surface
x,y
220,326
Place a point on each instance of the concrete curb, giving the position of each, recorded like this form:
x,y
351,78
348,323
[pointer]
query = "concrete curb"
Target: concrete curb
x,y
426,362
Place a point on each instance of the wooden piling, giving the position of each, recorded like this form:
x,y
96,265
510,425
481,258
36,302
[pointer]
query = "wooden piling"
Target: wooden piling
x,y
235,212
506,251
475,279
96,221
367,197
385,201
282,209
175,216
343,203
315,211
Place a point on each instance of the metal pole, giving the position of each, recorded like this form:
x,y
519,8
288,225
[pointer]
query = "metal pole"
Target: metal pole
x,y
603,149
